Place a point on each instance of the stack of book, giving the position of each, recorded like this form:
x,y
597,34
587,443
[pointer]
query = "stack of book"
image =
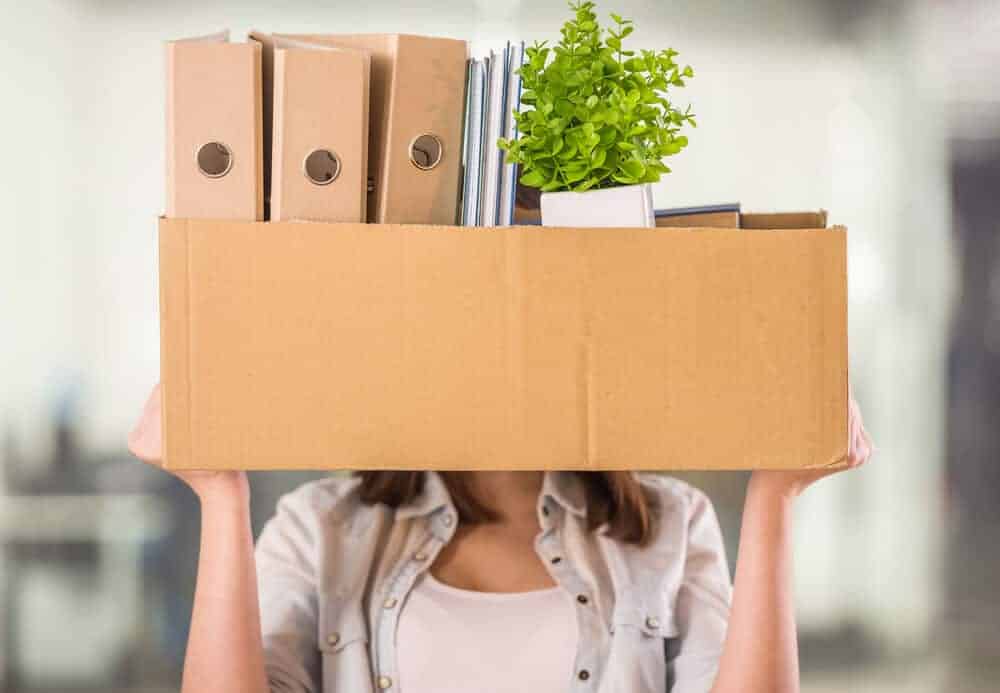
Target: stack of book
x,y
493,94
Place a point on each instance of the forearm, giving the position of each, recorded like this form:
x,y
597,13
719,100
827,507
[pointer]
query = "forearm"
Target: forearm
x,y
224,651
761,651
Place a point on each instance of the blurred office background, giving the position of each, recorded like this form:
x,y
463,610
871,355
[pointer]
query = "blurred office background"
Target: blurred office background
x,y
886,113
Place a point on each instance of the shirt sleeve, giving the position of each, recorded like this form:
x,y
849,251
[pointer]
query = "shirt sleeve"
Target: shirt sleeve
x,y
286,556
702,604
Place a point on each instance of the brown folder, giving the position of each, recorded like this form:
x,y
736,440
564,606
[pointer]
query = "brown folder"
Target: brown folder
x,y
783,220
320,133
214,149
415,130
730,220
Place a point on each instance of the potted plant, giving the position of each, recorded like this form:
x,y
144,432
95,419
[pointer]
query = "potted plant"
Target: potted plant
x,y
598,124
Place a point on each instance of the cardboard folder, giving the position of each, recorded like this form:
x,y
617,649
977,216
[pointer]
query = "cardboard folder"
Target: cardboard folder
x,y
417,97
320,133
214,124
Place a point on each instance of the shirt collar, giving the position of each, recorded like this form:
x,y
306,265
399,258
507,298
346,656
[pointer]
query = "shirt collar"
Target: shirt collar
x,y
565,488
433,496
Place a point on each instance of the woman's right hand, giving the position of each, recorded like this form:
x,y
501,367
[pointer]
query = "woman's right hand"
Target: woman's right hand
x,y
146,442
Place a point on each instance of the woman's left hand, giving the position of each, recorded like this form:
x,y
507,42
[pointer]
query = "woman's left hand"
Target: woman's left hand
x,y
791,483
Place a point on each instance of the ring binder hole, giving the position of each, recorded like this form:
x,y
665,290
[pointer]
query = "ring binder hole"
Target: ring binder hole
x,y
214,159
426,151
321,166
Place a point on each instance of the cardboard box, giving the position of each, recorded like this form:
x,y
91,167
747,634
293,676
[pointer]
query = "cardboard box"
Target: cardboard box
x,y
311,345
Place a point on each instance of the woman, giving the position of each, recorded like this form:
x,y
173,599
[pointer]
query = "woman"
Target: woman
x,y
491,581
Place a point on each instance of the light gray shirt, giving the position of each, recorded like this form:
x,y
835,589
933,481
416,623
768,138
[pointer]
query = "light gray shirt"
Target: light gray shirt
x,y
334,573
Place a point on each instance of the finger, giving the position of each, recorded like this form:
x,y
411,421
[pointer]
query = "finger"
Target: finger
x,y
854,437
869,446
862,450
142,444
144,441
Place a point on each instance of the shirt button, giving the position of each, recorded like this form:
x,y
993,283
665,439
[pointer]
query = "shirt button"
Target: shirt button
x,y
420,556
583,675
652,622
582,598
447,520
545,510
332,639
556,559
389,603
384,682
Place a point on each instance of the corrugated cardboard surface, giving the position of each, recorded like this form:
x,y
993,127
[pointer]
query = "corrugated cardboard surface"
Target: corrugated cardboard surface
x,y
298,345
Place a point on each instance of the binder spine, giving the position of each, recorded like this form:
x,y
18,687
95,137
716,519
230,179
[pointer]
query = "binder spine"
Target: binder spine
x,y
277,136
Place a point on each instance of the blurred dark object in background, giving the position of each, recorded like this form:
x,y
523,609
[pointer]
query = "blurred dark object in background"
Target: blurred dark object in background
x,y
973,461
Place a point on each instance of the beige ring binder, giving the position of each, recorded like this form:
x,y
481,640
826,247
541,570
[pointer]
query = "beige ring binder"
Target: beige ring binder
x,y
214,159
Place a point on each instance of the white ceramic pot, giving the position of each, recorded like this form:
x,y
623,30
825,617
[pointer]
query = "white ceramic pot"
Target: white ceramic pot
x,y
628,205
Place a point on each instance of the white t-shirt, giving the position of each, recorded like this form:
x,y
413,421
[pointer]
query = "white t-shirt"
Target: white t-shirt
x,y
452,640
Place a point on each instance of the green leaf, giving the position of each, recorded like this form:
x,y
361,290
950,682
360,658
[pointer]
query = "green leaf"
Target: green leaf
x,y
533,178
592,101
568,152
632,168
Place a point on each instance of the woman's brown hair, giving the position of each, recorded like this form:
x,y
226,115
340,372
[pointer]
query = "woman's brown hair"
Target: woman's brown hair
x,y
615,498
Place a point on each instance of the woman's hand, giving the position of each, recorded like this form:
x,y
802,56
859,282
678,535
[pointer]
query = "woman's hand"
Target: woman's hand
x,y
146,442
224,649
761,649
789,484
